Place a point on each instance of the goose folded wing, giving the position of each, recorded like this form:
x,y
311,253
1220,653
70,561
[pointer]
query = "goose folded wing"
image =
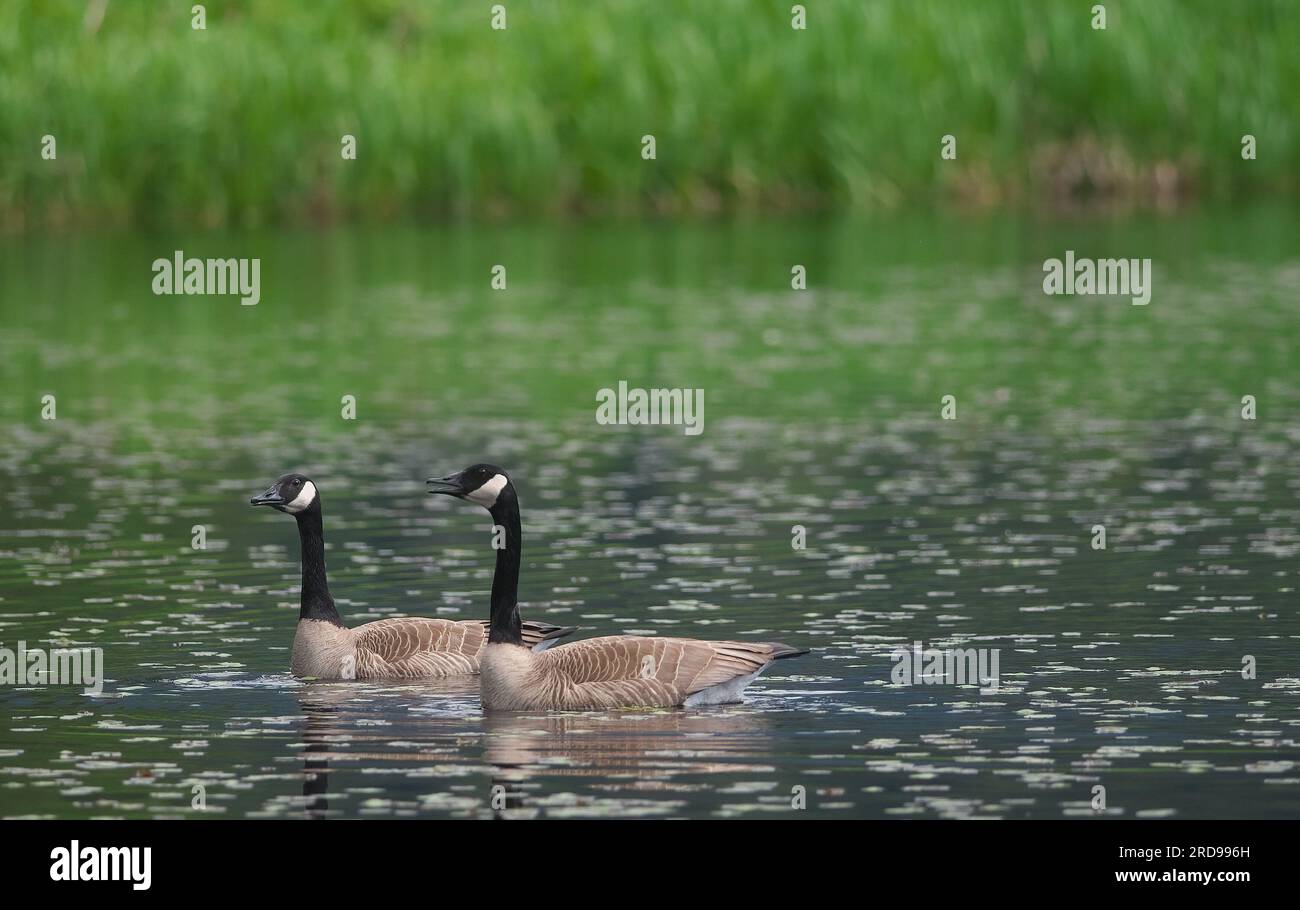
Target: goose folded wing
x,y
683,665
417,647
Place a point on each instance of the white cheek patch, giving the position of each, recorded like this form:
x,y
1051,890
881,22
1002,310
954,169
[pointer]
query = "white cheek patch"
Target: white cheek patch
x,y
305,498
487,494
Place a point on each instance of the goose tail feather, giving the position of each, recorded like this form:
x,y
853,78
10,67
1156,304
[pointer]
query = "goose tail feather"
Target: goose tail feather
x,y
541,635
780,651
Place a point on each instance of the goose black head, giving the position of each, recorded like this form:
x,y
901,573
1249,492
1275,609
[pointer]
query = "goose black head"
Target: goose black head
x,y
483,484
292,493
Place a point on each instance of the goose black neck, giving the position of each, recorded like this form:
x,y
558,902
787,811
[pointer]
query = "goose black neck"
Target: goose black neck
x,y
316,602
504,626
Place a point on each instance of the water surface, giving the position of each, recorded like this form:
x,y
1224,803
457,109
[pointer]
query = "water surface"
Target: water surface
x,y
1120,667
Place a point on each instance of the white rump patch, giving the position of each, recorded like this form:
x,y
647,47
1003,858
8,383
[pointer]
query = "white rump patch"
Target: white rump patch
x,y
487,494
304,498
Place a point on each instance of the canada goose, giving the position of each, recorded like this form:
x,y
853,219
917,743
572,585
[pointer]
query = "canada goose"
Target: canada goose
x,y
410,648
617,671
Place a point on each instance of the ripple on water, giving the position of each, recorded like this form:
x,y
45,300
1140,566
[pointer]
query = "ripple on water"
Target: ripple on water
x,y
1119,667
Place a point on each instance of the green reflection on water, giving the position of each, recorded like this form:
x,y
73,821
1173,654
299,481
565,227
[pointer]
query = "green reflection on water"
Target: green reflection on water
x,y
822,409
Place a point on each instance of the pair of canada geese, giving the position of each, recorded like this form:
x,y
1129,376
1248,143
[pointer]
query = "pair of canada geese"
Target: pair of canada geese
x,y
518,670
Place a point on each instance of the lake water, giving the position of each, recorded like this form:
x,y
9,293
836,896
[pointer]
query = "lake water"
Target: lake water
x,y
1120,668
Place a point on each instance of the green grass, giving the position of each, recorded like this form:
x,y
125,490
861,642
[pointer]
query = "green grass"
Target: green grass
x,y
158,124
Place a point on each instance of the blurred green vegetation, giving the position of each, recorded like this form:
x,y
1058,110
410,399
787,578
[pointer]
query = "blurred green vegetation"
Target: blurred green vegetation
x,y
158,124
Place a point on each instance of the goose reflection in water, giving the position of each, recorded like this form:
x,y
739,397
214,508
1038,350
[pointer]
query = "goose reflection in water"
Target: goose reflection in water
x,y
617,755
645,752
335,714
318,733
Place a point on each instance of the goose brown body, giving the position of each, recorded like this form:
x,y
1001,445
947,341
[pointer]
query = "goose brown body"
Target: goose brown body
x,y
623,671
407,648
